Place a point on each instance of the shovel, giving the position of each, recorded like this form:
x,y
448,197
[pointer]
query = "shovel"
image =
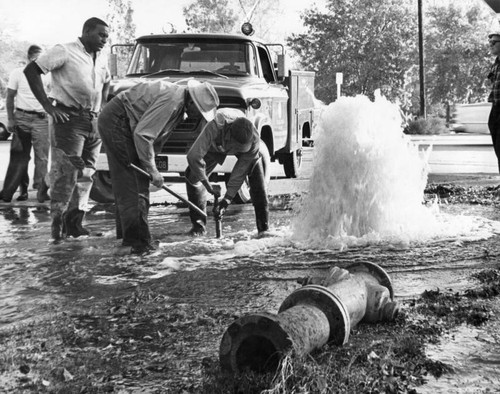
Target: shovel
x,y
166,188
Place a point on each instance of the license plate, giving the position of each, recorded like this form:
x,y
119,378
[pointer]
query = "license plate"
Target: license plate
x,y
161,163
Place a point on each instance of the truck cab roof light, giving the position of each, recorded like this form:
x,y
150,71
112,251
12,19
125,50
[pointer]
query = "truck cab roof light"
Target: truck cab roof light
x,y
247,29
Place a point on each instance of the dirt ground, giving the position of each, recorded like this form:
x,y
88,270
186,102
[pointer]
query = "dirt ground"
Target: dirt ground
x,y
163,335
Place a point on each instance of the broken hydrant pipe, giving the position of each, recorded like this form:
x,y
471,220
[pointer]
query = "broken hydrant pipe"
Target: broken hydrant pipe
x,y
323,310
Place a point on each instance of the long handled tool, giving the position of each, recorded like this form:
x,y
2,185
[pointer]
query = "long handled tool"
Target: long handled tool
x,y
166,188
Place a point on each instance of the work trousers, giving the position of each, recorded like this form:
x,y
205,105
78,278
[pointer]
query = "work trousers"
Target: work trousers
x,y
131,189
494,126
258,192
75,149
31,131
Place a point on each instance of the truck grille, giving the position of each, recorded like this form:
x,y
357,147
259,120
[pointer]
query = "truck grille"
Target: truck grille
x,y
232,102
183,136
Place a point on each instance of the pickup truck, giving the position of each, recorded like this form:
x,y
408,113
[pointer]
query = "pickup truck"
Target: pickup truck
x,y
242,71
4,134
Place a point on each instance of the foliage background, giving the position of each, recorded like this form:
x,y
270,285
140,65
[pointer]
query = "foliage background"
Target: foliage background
x,y
374,43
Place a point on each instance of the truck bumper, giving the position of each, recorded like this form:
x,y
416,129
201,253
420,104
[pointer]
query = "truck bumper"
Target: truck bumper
x,y
172,163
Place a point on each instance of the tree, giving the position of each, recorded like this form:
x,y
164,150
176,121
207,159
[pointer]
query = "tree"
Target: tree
x,y
262,14
122,31
372,42
457,57
210,16
227,16
120,21
14,55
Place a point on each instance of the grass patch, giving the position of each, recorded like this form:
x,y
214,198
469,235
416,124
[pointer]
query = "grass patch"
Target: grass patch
x,y
145,342
455,194
429,126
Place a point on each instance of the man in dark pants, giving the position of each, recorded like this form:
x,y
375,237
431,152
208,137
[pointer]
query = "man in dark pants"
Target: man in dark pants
x,y
134,126
29,124
230,133
494,97
79,85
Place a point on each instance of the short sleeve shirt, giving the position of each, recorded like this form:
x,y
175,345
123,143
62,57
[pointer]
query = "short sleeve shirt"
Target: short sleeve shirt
x,y
24,96
77,81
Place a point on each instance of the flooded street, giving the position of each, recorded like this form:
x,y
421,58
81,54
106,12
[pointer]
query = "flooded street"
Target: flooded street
x,y
239,271
358,203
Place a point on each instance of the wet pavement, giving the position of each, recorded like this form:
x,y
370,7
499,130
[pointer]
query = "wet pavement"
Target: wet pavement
x,y
241,270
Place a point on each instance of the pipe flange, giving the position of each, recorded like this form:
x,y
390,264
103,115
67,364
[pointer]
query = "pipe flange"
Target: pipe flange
x,y
334,309
374,270
243,342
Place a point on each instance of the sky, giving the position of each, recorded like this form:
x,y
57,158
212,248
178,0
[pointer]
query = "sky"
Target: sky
x,y
49,22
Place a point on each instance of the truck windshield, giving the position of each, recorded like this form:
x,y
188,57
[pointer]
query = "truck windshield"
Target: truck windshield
x,y
231,58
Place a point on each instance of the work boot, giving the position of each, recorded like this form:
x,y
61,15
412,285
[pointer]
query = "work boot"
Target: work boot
x,y
57,232
142,249
262,219
260,202
3,198
73,223
196,195
42,194
22,197
197,230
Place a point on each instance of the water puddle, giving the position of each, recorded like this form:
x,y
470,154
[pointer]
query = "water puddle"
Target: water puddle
x,y
364,204
474,355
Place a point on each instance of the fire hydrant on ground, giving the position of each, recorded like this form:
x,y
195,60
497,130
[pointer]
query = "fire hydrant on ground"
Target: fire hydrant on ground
x,y
323,310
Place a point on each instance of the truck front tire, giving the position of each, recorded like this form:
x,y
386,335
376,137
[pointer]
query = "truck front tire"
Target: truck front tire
x,y
4,134
292,162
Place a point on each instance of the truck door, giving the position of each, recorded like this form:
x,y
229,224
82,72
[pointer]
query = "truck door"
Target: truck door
x,y
275,99
300,108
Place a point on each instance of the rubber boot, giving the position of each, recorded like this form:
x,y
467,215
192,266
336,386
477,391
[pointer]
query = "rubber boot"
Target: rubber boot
x,y
42,194
118,224
79,224
23,186
73,223
258,193
196,195
57,228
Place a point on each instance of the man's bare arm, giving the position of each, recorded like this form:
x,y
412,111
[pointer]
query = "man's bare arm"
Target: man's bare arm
x,y
33,75
105,92
9,104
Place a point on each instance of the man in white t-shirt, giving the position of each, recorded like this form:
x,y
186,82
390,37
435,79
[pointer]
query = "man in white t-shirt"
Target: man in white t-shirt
x,y
29,125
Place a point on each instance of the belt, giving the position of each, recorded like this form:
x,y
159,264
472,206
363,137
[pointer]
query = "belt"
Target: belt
x,y
74,111
41,115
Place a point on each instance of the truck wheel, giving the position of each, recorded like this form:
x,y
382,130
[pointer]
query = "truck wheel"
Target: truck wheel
x,y
243,195
4,134
292,162
102,191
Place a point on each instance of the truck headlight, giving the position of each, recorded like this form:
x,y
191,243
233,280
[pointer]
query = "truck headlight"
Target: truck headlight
x,y
255,103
